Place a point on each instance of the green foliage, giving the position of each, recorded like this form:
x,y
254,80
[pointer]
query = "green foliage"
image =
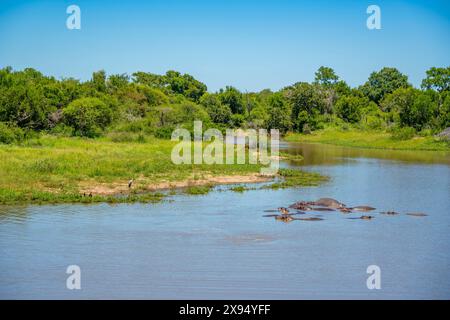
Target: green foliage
x,y
151,104
87,116
349,108
198,190
437,79
326,76
404,133
279,113
444,113
414,107
383,82
10,134
173,82
218,112
232,98
24,102
306,98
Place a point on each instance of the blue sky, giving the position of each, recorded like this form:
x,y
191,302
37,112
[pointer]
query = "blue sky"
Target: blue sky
x,y
250,44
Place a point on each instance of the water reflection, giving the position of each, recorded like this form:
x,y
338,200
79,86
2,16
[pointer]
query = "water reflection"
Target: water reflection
x,y
319,154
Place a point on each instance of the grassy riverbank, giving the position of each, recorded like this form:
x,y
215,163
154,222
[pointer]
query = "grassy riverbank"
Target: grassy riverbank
x,y
69,170
369,139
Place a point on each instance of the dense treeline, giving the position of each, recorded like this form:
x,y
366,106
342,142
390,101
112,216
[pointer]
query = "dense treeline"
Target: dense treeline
x,y
131,107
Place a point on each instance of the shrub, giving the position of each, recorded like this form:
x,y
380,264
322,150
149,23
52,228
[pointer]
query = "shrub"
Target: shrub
x,y
88,116
62,130
404,133
164,132
10,134
349,108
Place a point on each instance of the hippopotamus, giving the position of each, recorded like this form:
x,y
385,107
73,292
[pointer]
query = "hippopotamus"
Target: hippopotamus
x,y
345,210
329,202
417,214
284,218
390,213
301,205
362,217
310,219
363,208
283,210
321,209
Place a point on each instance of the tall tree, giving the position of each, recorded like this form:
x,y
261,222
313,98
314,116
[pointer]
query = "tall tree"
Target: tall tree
x,y
383,82
326,76
437,79
232,97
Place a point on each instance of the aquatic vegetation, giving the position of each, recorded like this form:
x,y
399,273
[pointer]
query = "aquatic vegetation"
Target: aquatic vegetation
x,y
239,189
198,190
296,178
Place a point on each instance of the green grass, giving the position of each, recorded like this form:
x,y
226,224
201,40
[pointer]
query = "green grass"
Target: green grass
x,y
297,178
239,189
198,190
59,170
369,139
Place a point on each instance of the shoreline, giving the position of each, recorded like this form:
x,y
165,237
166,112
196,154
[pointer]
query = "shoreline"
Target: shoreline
x,y
75,170
116,189
379,140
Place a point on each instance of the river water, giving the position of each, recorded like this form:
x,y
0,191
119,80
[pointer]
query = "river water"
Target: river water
x,y
218,246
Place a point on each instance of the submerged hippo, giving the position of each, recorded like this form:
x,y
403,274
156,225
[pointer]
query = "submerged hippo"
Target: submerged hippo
x,y
363,208
283,210
310,219
417,214
345,210
322,209
329,202
390,213
362,217
301,205
284,218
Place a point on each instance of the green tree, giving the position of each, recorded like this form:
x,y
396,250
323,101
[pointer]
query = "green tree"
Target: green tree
x,y
305,97
414,108
444,113
218,112
326,76
88,116
437,79
233,99
348,108
99,80
279,113
383,82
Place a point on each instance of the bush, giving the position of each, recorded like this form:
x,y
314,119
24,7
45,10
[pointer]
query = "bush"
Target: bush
x,y
349,108
374,122
164,132
62,130
404,133
88,116
126,137
10,134
426,133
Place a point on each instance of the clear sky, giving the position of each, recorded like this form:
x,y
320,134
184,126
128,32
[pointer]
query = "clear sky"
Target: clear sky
x,y
250,44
